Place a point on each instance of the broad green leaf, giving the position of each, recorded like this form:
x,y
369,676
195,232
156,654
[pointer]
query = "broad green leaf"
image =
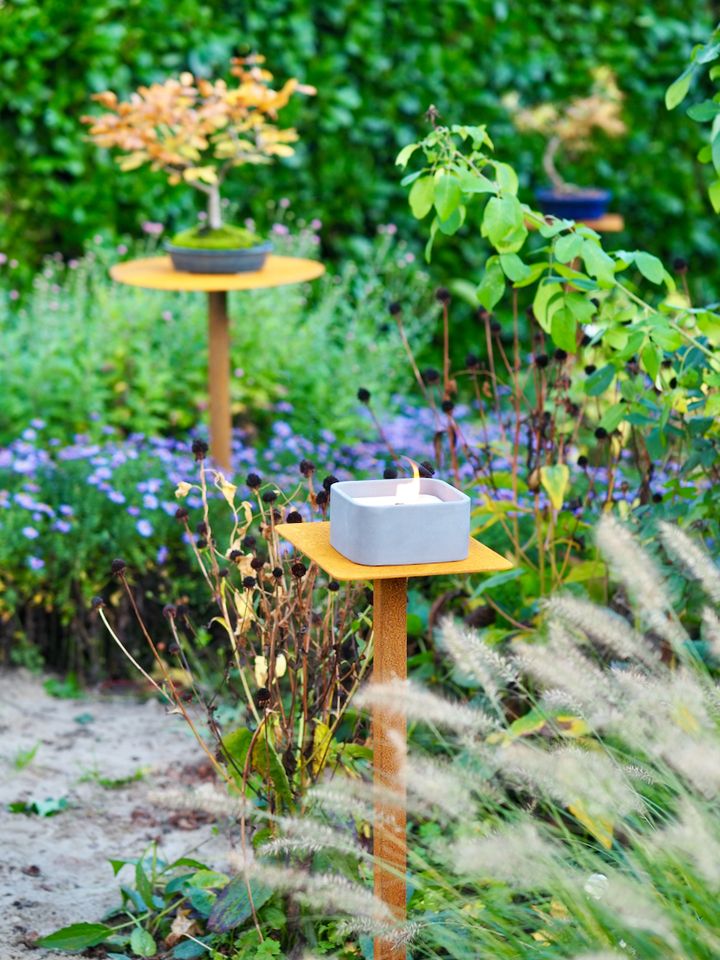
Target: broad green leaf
x,y
651,357
555,481
548,299
563,330
503,224
447,195
614,416
475,183
492,285
421,196
677,91
269,765
714,194
144,887
581,308
232,906
537,721
586,570
568,247
322,742
402,158
79,936
236,745
453,222
598,263
702,112
142,943
513,267
598,381
506,178
650,267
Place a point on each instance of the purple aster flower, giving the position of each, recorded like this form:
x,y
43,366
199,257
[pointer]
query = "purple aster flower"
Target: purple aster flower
x,y
144,528
63,526
134,511
116,496
35,563
66,510
150,501
162,555
30,532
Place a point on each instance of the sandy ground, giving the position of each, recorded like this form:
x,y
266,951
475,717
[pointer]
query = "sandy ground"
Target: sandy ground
x,y
54,870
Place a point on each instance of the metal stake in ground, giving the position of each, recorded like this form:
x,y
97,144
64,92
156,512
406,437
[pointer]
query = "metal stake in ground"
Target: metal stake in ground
x,y
390,663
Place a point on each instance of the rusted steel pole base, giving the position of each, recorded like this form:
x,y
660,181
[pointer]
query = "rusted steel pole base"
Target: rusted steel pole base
x,y
389,730
219,379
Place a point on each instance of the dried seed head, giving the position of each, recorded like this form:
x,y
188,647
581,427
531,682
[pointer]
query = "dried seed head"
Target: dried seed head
x,y
601,433
364,395
262,698
298,569
582,461
329,481
447,406
394,309
590,368
542,360
169,611
249,582
257,563
307,468
390,473
97,603
277,573
181,514
334,586
431,375
118,567
270,496
442,295
472,361
294,517
253,480
321,498
199,449
426,469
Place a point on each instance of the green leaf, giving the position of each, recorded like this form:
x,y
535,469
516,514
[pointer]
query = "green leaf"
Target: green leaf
x,y
269,765
453,222
236,745
548,299
232,907
714,194
586,570
702,112
144,887
613,416
598,263
677,91
142,944
421,196
600,380
507,178
563,329
567,247
513,267
79,936
555,481
402,158
492,285
651,357
649,266
503,224
447,196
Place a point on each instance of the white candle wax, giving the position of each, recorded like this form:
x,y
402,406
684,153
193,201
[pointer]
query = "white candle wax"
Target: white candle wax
x,y
395,500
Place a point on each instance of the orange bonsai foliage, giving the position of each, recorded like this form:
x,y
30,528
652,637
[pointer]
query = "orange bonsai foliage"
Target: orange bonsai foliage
x,y
197,130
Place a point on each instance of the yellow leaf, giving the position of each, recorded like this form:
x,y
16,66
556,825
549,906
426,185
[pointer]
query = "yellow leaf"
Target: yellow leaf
x,y
600,827
322,739
555,481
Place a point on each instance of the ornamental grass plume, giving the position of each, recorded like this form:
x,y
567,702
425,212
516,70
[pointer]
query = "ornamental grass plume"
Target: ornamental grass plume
x,y
583,822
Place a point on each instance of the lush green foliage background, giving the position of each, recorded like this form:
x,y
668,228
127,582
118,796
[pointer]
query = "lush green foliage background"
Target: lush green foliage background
x,y
377,64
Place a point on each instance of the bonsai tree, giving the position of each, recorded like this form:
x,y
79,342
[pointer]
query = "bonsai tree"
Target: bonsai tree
x,y
570,127
196,131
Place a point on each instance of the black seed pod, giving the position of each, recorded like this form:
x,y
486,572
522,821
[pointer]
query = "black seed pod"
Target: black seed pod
x,y
394,309
169,611
542,360
447,406
181,514
431,375
199,449
442,295
277,573
223,572
560,355
390,473
472,362
249,582
117,567
257,563
249,543
173,649
97,603
201,543
253,481
270,496
329,481
582,461
321,498
262,697
657,498
590,368
426,469
202,528
298,569
601,433
363,395
334,586
307,468
496,327
294,517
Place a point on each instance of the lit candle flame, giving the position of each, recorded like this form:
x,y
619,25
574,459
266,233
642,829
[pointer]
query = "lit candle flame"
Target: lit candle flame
x,y
409,490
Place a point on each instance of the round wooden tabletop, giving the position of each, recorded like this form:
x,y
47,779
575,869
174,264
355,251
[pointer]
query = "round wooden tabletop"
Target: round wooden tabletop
x,y
158,273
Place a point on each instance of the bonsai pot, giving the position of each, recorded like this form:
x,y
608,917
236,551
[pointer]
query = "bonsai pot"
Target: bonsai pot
x,y
579,205
199,260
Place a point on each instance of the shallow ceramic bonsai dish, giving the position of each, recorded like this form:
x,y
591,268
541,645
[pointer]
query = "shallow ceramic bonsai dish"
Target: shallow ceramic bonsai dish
x,y
576,205
198,260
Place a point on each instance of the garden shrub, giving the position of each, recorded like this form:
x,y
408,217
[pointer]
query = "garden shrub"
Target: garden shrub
x,y
378,66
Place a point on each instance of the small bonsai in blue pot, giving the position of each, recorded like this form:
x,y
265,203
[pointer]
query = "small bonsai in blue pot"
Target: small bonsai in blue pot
x,y
569,129
197,131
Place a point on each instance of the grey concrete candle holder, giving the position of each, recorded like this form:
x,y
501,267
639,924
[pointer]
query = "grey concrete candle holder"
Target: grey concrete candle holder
x,y
390,533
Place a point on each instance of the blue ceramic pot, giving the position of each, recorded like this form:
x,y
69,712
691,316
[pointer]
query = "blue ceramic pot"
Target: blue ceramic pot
x,y
584,205
197,260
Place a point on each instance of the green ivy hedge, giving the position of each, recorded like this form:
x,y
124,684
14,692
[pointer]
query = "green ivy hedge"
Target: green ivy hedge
x,y
377,64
